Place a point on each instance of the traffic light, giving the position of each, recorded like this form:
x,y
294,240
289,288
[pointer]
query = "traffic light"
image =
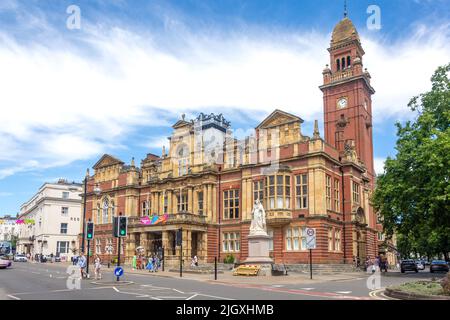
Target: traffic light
x,y
123,221
90,230
120,227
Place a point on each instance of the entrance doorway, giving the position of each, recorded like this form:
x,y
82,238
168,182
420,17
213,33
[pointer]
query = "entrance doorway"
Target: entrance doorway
x,y
194,244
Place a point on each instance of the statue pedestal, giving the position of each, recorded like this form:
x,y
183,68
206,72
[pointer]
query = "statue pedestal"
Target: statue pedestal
x,y
258,253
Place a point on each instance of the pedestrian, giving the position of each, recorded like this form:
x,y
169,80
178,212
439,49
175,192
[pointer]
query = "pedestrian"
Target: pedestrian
x,y
82,265
98,265
133,263
196,261
149,265
155,263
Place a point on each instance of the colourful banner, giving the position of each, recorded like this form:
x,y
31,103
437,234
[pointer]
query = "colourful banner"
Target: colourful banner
x,y
154,219
20,221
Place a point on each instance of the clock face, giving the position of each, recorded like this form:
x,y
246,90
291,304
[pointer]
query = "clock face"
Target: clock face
x,y
342,103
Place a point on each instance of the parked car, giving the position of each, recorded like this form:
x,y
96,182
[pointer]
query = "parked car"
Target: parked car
x,y
439,265
5,262
20,258
57,259
420,265
408,265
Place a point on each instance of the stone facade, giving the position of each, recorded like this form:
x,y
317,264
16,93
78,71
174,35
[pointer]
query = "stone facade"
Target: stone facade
x,y
208,181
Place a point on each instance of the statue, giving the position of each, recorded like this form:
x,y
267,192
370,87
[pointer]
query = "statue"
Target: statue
x,y
258,225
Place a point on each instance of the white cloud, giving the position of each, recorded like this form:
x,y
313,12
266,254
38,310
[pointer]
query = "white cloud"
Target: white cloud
x,y
61,104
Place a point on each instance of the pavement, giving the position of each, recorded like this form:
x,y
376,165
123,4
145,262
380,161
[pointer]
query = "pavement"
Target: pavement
x,y
53,281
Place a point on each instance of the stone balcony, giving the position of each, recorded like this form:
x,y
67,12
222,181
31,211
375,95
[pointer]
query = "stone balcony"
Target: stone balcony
x,y
342,75
278,216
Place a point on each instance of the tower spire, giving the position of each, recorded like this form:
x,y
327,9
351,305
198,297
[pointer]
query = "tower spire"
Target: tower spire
x,y
345,8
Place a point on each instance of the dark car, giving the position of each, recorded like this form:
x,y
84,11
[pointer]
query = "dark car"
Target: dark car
x,y
408,265
438,265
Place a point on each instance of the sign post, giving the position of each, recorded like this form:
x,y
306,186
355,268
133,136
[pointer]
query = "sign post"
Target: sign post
x,y
310,245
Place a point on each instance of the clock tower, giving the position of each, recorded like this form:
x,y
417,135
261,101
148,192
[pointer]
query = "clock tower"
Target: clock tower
x,y
347,96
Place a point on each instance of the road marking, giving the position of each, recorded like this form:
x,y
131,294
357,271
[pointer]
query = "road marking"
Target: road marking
x,y
207,295
115,289
278,285
191,297
307,289
343,292
13,297
178,291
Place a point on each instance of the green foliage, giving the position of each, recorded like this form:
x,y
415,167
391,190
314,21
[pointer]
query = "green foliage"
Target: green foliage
x,y
413,193
229,259
420,287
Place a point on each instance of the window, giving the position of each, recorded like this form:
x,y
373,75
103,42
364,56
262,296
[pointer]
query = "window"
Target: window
x,y
145,208
182,202
338,64
337,240
231,204
65,195
355,191
231,242
183,162
65,211
105,210
270,233
62,247
98,246
166,204
112,210
348,61
200,202
258,191
328,191
380,236
63,229
109,246
337,203
296,238
279,191
343,63
301,191
330,239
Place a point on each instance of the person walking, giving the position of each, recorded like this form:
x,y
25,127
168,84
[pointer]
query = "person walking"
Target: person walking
x,y
134,263
82,264
98,265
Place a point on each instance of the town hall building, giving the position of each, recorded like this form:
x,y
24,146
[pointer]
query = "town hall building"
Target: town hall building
x,y
207,181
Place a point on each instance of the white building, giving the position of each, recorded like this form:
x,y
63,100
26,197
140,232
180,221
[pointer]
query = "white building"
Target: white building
x,y
56,211
8,228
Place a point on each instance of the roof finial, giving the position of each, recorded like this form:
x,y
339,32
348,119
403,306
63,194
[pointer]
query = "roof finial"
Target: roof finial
x,y
316,134
345,8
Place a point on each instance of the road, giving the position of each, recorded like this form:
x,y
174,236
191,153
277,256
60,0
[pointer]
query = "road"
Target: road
x,y
49,282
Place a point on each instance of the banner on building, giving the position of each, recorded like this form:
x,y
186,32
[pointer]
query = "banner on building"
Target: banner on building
x,y
155,219
21,221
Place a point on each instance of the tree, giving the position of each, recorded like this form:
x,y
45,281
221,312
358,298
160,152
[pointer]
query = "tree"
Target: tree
x,y
412,194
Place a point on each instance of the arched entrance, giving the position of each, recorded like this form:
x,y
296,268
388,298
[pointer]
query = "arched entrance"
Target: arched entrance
x,y
360,236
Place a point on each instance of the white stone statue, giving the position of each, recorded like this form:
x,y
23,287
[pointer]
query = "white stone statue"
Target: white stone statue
x,y
258,225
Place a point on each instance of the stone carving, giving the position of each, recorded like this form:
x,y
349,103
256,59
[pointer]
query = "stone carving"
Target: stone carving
x,y
258,224
350,151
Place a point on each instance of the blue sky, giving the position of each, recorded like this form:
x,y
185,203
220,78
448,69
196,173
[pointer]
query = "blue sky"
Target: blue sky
x,y
118,84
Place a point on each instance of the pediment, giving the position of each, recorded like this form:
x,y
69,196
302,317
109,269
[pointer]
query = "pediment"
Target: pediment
x,y
107,160
278,118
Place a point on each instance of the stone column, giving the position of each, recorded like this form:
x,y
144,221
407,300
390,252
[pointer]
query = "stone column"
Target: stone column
x,y
205,203
130,247
214,203
174,202
209,202
244,199
169,201
165,242
187,239
190,200
195,201
249,198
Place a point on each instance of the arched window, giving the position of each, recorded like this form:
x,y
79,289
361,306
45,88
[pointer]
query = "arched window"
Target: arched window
x,y
99,214
343,63
112,210
105,210
348,61
338,64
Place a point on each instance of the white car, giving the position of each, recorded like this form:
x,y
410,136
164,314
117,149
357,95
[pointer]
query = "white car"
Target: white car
x,y
20,258
5,262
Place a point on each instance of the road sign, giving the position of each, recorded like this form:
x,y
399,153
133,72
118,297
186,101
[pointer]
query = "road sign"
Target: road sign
x,y
310,238
118,272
